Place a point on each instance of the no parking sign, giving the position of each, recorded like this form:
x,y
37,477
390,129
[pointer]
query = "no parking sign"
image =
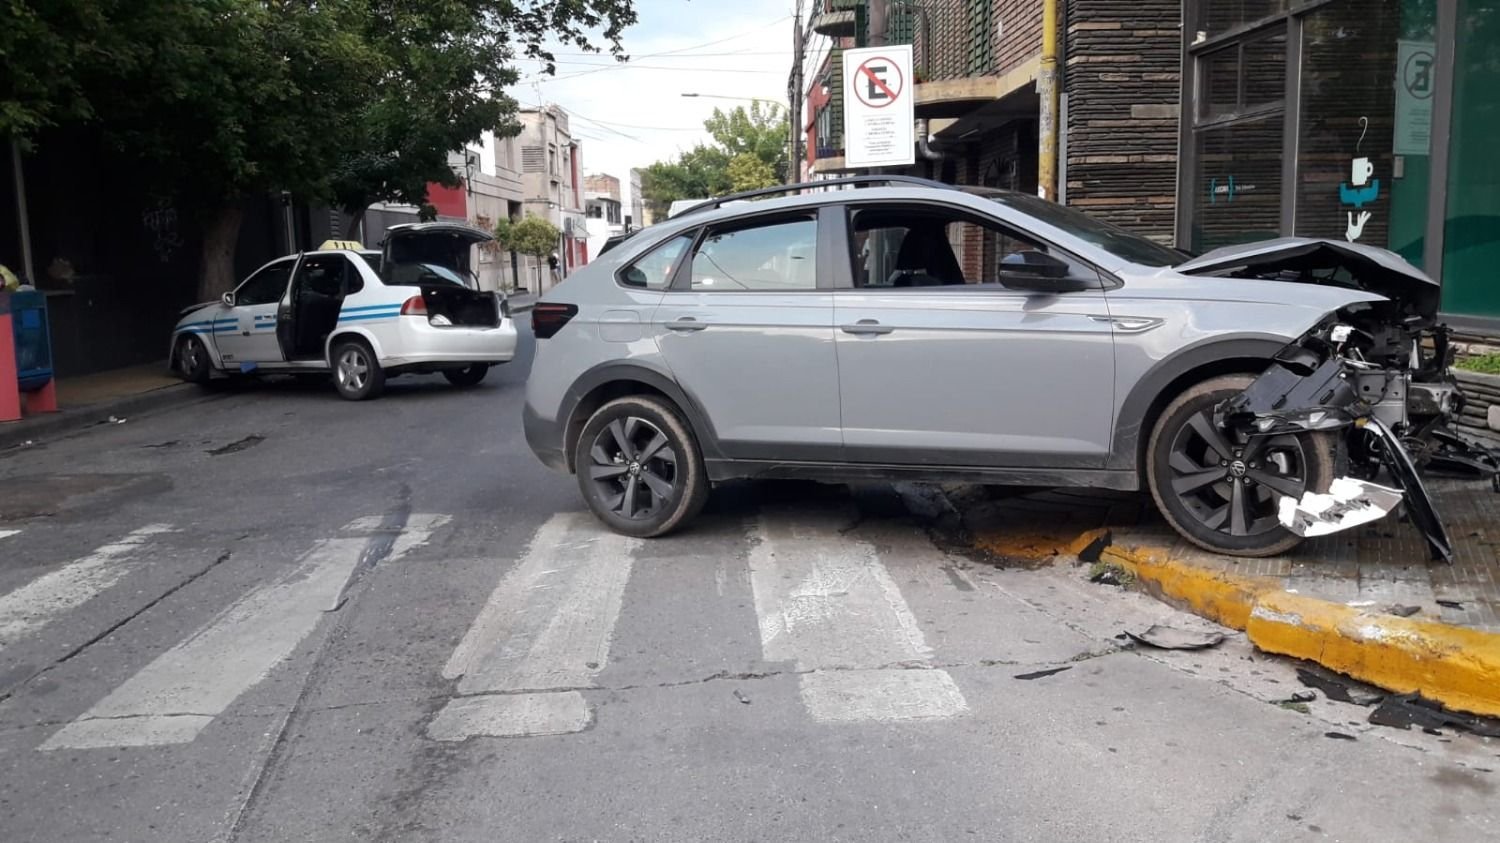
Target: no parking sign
x,y
878,107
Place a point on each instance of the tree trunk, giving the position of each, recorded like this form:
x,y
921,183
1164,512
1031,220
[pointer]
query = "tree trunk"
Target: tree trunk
x,y
219,239
356,219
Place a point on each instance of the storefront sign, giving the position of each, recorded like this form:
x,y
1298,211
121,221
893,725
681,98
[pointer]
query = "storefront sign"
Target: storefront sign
x,y
879,107
1414,86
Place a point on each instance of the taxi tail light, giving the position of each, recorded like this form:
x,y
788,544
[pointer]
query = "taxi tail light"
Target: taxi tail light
x,y
414,306
547,318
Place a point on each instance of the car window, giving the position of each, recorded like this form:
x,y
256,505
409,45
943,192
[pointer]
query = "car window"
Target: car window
x,y
770,256
322,275
653,270
265,286
1113,239
906,247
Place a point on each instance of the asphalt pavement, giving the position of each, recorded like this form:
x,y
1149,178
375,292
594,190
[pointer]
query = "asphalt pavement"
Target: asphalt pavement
x,y
276,615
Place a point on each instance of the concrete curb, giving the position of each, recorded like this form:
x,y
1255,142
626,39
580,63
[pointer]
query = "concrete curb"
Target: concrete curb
x,y
53,425
1456,666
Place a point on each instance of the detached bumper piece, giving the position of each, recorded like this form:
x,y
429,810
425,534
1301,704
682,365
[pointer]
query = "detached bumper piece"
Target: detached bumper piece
x,y
1349,502
1418,502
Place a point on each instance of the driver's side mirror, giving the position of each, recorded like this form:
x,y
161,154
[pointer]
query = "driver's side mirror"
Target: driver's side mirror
x,y
1039,272
227,299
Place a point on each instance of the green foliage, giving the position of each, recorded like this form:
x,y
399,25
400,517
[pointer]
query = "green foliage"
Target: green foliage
x,y
759,133
747,172
1488,364
531,235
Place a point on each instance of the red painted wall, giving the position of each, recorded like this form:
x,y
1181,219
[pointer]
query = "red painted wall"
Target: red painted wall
x,y
449,201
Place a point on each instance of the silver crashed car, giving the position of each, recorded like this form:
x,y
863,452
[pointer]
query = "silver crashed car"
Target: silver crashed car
x,y
904,329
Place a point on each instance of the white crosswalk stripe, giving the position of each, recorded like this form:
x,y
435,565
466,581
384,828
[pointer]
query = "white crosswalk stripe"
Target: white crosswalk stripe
x,y
826,603
544,633
5,534
177,695
34,605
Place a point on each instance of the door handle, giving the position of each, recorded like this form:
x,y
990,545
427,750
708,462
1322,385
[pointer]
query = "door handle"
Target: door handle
x,y
866,327
685,324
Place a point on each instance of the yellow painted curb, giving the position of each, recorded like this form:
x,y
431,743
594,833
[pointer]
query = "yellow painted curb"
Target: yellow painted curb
x,y
1456,666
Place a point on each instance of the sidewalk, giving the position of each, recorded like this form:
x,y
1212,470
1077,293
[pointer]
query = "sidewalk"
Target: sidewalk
x,y
1366,602
90,399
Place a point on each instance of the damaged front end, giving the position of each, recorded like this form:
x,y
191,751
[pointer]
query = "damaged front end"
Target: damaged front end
x,y
1380,375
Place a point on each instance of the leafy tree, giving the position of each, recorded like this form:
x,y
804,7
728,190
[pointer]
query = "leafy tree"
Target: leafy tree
x,y
344,101
747,172
532,235
751,142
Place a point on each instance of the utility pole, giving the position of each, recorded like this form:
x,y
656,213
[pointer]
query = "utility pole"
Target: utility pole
x,y
794,101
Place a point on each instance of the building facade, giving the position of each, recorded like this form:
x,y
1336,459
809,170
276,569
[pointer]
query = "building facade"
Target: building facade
x,y
1210,122
551,175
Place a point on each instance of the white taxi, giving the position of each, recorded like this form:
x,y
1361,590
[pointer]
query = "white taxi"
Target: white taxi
x,y
363,316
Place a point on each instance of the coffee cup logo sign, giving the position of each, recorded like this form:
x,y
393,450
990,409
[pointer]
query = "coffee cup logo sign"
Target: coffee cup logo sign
x,y
1360,190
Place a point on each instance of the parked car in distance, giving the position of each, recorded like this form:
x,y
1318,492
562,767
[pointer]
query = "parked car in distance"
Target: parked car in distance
x,y
363,316
905,329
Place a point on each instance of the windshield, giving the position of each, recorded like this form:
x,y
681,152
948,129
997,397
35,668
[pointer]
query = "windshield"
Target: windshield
x,y
1111,238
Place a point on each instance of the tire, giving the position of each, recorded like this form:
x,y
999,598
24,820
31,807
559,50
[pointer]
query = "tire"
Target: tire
x,y
356,373
669,487
468,376
191,360
1199,490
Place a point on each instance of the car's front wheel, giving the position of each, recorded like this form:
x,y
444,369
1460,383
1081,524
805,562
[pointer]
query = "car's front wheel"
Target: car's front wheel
x,y
356,373
191,360
468,376
639,468
1221,490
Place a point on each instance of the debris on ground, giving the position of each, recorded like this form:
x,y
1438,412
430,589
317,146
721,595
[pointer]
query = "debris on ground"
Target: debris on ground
x,y
239,445
170,443
1339,736
1401,611
1299,707
1042,673
1349,502
1165,637
739,695
1339,688
1403,711
113,420
1450,604
1095,549
1108,573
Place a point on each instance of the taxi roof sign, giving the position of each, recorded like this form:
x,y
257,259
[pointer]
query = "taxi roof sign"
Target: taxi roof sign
x,y
347,245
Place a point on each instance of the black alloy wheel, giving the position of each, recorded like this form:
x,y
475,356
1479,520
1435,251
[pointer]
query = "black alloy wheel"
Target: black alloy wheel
x,y
639,468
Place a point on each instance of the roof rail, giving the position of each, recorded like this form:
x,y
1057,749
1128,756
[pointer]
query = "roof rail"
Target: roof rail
x,y
847,181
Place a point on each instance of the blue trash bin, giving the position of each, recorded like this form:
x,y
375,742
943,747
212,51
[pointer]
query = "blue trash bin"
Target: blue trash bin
x,y
28,316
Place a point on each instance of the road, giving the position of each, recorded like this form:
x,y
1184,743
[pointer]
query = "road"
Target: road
x,y
274,615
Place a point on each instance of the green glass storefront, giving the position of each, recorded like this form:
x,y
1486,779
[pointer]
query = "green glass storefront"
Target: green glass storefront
x,y
1374,121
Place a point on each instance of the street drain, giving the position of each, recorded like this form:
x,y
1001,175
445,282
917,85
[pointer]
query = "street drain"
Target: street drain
x,y
234,447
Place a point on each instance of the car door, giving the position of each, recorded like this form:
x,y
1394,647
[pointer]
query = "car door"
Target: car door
x,y
746,328
941,364
251,340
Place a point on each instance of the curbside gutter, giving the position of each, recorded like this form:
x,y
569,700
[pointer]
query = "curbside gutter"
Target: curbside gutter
x,y
1456,666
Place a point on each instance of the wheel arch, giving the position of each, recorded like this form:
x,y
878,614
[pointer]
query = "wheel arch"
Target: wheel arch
x,y
343,334
212,347
1170,378
609,381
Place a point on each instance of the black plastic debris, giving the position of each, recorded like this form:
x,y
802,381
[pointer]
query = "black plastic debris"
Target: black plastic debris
x,y
1042,673
1095,549
1403,711
1339,736
739,695
1171,638
1340,688
1401,611
1300,697
1450,604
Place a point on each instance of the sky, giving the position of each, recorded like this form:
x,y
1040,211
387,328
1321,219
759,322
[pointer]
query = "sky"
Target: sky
x,y
630,115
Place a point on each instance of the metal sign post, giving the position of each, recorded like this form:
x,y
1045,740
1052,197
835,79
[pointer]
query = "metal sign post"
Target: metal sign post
x,y
879,107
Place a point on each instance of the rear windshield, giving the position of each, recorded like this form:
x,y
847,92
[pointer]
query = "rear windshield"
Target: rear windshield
x,y
429,258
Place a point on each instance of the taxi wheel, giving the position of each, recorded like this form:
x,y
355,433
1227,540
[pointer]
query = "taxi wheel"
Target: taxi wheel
x,y
468,376
191,360
356,373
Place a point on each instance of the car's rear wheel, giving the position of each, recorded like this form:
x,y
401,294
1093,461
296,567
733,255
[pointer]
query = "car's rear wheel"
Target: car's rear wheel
x,y
191,360
356,373
1221,490
639,467
468,376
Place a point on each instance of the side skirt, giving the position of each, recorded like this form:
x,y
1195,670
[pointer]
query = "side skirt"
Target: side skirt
x,y
720,470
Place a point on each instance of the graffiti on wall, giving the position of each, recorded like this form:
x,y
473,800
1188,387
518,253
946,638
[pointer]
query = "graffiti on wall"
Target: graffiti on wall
x,y
161,221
